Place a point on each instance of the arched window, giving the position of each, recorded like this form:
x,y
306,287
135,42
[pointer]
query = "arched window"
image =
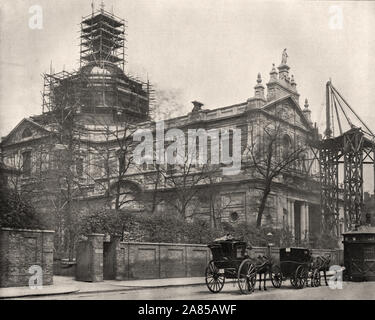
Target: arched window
x,y
26,133
286,146
304,163
126,196
26,162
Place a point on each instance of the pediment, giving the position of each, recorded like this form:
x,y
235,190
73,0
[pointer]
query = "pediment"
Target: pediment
x,y
287,109
26,130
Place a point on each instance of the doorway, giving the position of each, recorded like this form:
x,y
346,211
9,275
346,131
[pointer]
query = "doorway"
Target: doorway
x,y
297,222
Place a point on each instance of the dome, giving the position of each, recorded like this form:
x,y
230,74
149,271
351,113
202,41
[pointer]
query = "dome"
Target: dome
x,y
105,69
98,70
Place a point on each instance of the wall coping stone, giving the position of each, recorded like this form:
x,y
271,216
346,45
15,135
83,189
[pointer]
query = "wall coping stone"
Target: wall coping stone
x,y
206,245
165,244
27,230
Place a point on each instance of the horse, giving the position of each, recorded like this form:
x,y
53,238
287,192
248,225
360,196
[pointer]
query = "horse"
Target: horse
x,y
263,265
322,263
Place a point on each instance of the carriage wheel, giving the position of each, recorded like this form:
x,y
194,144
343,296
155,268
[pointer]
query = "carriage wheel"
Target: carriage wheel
x,y
276,276
246,276
214,280
315,278
300,277
293,281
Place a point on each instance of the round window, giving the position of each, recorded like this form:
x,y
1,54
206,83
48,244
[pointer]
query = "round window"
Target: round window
x,y
234,216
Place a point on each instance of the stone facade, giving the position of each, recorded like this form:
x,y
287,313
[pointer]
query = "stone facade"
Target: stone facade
x,y
294,198
91,166
19,250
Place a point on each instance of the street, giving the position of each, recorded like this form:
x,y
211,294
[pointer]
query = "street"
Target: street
x,y
350,291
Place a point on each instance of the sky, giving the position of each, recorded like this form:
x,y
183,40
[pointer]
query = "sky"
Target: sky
x,y
206,50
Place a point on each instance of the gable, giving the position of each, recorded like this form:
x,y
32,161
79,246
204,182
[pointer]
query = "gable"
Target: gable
x,y
25,131
288,110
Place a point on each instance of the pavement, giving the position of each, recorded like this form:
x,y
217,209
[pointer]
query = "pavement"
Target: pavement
x,y
66,285
349,291
179,288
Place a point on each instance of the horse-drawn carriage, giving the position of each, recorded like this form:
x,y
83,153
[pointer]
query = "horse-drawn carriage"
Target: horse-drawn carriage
x,y
295,264
299,266
230,261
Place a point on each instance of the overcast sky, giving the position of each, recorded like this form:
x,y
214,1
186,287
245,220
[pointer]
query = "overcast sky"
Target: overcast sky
x,y
209,50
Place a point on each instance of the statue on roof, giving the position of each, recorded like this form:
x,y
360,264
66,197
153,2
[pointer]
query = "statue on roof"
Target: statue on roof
x,y
197,106
284,57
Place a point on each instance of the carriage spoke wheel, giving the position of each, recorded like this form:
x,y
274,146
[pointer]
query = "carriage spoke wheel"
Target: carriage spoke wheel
x,y
315,278
293,281
246,276
214,280
276,276
300,277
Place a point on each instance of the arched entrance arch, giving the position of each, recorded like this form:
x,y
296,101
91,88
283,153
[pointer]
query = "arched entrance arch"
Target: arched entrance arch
x,y
126,195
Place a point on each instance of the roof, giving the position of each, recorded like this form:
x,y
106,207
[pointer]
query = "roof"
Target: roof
x,y
103,16
362,230
218,241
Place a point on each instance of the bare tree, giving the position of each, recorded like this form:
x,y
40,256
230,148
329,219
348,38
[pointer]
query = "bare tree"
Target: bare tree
x,y
183,182
212,194
49,172
109,162
269,157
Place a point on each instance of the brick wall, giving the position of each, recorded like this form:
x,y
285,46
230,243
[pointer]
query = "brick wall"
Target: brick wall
x,y
19,250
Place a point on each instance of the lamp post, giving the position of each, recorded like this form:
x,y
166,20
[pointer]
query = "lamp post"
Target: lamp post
x,y
270,244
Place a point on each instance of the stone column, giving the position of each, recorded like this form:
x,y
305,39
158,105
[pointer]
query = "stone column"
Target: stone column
x,y
116,255
96,241
291,216
307,220
302,220
89,259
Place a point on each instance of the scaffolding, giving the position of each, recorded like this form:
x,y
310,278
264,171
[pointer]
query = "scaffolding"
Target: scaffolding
x,y
100,86
352,148
103,39
60,91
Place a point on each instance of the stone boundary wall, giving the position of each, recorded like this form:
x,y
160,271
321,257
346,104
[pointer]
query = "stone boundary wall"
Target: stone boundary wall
x,y
136,260
19,250
142,260
64,268
89,260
